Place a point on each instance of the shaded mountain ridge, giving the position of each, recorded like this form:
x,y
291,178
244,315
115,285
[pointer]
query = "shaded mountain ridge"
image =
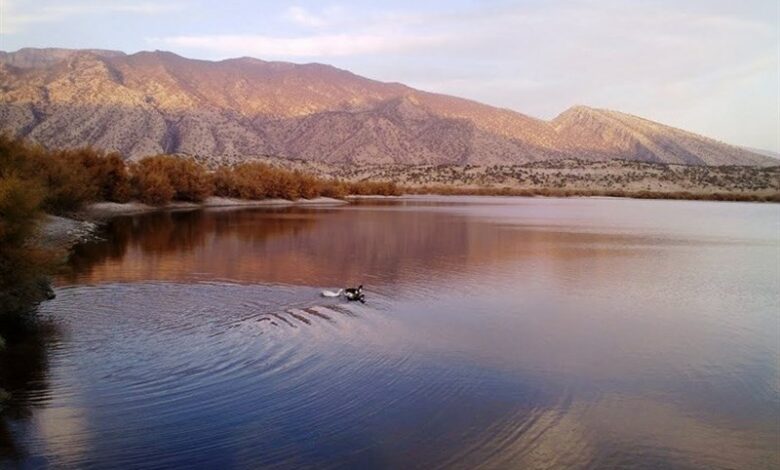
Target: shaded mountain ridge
x,y
153,102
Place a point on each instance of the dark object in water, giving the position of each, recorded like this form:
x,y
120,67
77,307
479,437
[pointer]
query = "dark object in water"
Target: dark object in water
x,y
355,294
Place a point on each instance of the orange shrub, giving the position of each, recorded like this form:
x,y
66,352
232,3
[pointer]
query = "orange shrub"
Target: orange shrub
x,y
152,188
334,188
378,188
69,177
309,186
68,185
245,181
23,265
159,179
261,181
107,173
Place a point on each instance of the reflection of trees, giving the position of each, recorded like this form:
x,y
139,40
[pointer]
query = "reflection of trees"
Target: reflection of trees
x,y
319,247
24,375
171,233
153,233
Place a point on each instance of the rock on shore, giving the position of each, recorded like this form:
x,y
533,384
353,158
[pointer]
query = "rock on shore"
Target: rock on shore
x,y
62,233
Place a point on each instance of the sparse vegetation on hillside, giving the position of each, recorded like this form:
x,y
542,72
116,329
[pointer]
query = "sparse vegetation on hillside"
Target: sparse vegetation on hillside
x,y
444,190
579,178
218,110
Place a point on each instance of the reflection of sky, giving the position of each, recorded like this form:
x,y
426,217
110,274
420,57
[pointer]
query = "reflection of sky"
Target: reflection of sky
x,y
483,340
64,433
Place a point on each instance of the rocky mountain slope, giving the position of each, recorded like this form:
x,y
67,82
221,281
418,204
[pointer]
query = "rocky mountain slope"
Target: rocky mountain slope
x,y
153,102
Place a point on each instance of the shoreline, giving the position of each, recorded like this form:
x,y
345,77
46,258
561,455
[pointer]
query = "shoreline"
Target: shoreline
x,y
103,210
63,233
567,194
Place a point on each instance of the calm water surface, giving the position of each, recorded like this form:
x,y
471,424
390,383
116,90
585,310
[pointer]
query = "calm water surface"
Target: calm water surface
x,y
498,333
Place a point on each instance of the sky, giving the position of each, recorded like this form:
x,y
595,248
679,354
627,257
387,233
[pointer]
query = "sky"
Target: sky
x,y
709,66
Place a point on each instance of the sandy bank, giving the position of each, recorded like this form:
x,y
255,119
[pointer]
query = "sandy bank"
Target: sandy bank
x,y
62,233
109,209
378,196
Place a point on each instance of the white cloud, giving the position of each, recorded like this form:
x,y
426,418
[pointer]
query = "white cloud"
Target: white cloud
x,y
19,17
303,17
145,8
304,46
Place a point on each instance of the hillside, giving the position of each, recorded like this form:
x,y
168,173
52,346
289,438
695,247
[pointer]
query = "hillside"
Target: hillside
x,y
153,102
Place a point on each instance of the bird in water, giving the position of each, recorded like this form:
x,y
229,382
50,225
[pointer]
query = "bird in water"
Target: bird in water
x,y
330,293
351,293
355,293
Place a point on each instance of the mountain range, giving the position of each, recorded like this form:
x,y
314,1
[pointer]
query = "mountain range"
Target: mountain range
x,y
158,102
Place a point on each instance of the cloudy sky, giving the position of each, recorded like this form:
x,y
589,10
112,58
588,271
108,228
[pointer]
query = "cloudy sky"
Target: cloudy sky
x,y
709,66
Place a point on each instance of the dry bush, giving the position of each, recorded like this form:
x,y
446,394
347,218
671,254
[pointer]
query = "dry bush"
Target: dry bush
x,y
245,181
107,173
151,187
23,266
104,175
309,186
225,183
190,181
159,179
68,185
282,184
375,188
261,181
334,188
20,202
69,177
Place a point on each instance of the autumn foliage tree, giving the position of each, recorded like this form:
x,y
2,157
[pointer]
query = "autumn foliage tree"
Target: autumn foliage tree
x,y
106,172
162,178
381,188
261,181
23,265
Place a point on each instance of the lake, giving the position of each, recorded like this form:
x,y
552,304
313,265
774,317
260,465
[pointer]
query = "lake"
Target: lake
x,y
497,333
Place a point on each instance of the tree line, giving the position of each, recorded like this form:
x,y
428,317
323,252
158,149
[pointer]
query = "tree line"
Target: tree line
x,y
67,179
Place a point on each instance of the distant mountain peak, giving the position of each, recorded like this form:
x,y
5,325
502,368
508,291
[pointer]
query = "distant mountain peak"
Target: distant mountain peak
x,y
157,101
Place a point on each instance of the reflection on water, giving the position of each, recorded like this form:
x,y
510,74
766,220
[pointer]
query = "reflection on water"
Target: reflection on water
x,y
501,333
23,374
319,247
